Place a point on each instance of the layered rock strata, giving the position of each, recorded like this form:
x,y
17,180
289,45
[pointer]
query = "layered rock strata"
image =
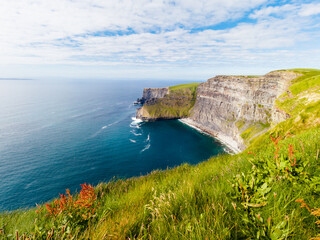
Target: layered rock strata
x,y
226,106
237,108
150,94
173,105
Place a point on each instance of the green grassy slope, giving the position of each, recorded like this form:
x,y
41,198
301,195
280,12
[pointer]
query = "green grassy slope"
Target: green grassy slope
x,y
177,104
270,191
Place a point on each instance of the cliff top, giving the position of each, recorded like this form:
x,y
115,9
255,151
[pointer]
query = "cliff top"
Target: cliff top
x,y
191,86
278,74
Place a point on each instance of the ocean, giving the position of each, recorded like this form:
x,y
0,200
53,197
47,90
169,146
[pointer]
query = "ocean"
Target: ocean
x,y
56,135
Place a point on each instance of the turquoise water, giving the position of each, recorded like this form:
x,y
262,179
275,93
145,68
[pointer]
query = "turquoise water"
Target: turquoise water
x,y
58,134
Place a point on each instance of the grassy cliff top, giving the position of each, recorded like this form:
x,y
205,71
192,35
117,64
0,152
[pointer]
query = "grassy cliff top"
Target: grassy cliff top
x,y
192,86
270,191
301,102
177,104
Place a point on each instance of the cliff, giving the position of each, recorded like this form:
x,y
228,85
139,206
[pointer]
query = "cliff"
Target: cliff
x,y
150,94
235,109
167,103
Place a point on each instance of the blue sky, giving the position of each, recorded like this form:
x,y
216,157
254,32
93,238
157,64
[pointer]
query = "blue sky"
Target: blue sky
x,y
164,39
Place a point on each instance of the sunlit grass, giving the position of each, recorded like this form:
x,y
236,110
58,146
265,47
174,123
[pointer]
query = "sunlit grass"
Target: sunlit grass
x,y
191,86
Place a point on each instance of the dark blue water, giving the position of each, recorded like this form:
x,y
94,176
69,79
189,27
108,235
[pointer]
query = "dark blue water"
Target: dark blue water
x,y
58,134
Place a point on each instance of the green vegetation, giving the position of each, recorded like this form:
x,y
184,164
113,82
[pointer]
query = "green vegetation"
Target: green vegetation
x,y
270,191
178,103
304,107
191,86
303,104
240,124
253,130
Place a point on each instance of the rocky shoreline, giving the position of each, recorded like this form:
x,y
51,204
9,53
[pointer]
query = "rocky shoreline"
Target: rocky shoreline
x,y
232,145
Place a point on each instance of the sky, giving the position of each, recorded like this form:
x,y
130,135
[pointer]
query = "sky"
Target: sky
x,y
163,39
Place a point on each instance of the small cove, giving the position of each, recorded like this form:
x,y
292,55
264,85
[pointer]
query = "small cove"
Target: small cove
x,y
56,135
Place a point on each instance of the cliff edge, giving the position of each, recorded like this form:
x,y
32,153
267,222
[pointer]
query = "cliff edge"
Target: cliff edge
x,y
234,109
167,103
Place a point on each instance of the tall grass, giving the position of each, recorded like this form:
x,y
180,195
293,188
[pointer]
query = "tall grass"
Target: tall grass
x,y
270,191
202,201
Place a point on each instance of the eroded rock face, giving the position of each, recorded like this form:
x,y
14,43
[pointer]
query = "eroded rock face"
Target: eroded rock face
x,y
149,97
235,109
142,114
174,105
224,101
150,94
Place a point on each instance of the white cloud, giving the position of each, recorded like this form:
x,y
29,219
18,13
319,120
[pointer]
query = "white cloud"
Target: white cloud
x,y
310,9
145,32
280,11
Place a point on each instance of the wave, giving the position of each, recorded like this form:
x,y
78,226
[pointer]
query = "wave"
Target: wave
x,y
82,114
135,122
136,134
102,128
131,140
148,138
145,148
109,125
27,186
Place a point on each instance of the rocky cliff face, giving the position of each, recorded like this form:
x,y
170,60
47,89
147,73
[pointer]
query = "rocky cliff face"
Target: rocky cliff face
x,y
150,94
163,103
237,108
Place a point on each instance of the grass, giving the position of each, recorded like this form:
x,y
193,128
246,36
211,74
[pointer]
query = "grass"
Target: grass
x,y
304,103
269,191
303,106
252,130
192,86
240,124
198,202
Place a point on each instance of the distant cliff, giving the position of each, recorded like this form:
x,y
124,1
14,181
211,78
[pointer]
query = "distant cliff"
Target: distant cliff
x,y
151,94
167,103
236,109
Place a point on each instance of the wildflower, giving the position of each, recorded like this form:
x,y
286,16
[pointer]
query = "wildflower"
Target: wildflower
x,y
252,153
316,212
303,204
275,140
81,207
291,150
274,194
259,216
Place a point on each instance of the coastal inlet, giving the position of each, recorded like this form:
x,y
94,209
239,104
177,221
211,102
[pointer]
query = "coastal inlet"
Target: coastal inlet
x,y
57,135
